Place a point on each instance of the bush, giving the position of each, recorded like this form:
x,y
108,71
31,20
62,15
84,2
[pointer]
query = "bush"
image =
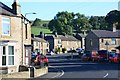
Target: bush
x,y
58,50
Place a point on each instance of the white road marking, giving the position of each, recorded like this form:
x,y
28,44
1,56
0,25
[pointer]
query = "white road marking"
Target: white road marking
x,y
61,74
67,66
55,76
106,75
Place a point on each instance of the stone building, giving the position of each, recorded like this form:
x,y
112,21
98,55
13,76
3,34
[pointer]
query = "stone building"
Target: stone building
x,y
62,41
15,38
39,45
102,40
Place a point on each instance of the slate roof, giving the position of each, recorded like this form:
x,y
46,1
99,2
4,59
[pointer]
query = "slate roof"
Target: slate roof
x,y
6,10
38,39
62,37
82,35
67,38
106,33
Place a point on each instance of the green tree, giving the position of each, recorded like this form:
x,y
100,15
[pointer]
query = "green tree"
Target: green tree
x,y
45,25
81,23
62,23
98,22
113,17
37,22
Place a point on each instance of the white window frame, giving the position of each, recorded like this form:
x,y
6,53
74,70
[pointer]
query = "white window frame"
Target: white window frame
x,y
11,55
6,22
7,56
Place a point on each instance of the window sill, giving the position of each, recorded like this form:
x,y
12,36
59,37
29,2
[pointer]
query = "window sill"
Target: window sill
x,y
5,36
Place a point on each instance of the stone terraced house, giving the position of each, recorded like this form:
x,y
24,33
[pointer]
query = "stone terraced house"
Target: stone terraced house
x,y
102,40
39,45
62,41
15,38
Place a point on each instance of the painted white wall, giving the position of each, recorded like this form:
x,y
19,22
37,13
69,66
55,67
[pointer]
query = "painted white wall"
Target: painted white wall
x,y
1,50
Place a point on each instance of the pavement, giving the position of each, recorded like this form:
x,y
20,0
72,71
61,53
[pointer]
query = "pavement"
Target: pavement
x,y
53,73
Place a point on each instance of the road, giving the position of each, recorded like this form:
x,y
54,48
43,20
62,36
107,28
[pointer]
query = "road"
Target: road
x,y
62,67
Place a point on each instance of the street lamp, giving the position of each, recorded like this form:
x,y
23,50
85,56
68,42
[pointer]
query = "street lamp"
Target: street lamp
x,y
26,15
107,44
29,13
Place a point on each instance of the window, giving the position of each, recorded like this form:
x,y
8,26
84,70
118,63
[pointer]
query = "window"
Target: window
x,y
26,31
4,56
47,45
113,41
102,40
59,42
8,55
41,44
36,43
90,42
5,26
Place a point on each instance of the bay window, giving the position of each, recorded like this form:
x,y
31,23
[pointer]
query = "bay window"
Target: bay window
x,y
7,55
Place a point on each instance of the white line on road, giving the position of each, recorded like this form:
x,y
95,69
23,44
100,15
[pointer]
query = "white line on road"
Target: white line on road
x,y
106,75
61,74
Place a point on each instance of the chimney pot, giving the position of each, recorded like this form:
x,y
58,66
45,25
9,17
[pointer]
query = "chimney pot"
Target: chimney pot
x,y
114,27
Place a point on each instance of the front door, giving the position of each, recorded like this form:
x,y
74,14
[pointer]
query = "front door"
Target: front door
x,y
27,55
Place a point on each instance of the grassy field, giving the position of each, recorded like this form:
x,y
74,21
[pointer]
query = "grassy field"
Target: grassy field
x,y
36,30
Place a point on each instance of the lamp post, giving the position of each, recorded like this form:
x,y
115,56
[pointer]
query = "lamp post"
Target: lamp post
x,y
29,13
24,23
107,44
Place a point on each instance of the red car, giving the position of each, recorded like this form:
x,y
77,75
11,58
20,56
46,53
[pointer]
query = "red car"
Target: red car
x,y
86,57
114,57
95,57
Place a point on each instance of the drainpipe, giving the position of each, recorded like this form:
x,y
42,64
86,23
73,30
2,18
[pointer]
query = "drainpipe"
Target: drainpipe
x,y
22,37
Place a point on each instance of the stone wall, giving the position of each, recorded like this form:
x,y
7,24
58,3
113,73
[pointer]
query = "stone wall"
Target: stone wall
x,y
25,74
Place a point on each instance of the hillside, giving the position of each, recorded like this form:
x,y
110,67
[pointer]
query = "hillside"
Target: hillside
x,y
37,30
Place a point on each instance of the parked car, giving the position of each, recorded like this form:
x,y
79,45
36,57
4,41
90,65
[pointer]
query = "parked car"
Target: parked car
x,y
78,50
86,56
103,55
95,57
114,57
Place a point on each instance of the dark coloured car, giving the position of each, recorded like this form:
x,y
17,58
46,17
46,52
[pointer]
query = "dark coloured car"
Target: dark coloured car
x,y
103,54
86,56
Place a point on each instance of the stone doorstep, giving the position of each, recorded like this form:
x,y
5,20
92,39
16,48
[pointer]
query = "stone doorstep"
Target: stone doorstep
x,y
25,74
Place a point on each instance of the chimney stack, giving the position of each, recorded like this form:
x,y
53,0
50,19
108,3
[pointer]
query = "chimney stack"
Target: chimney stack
x,y
16,8
114,27
41,35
